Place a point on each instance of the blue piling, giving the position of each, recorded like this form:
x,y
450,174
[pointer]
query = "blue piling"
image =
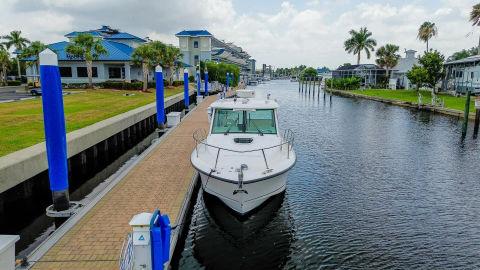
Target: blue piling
x,y
54,125
199,83
160,93
160,231
186,96
206,82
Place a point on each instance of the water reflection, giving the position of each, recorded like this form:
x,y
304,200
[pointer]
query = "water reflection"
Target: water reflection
x,y
221,239
375,186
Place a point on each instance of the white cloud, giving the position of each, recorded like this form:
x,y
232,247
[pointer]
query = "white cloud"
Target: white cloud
x,y
290,34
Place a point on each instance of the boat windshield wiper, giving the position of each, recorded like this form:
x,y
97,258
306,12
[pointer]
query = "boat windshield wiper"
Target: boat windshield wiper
x,y
259,130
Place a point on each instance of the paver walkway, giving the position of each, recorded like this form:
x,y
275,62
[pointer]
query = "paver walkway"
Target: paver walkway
x,y
160,180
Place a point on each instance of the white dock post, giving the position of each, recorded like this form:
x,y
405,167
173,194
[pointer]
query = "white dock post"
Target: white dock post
x,y
7,251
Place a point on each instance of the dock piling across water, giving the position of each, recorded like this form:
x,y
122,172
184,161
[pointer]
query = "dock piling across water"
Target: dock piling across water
x,y
477,117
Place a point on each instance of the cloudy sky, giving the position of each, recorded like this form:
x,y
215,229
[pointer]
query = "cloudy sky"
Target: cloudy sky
x,y
280,33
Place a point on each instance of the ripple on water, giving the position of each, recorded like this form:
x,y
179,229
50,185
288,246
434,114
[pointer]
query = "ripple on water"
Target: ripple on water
x,y
374,187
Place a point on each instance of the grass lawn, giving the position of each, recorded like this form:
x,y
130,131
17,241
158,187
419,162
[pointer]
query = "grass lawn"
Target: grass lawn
x,y
21,122
451,102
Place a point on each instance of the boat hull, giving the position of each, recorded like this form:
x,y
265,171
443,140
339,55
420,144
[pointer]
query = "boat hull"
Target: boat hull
x,y
252,195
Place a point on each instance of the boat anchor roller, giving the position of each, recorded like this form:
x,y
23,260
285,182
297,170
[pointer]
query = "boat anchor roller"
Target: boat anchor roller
x,y
240,179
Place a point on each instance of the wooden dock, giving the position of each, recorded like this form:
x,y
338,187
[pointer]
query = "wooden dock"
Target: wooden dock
x,y
160,180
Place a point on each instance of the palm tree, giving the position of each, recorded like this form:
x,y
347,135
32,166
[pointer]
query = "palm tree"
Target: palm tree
x,y
360,41
16,40
145,55
33,51
4,63
85,46
475,19
426,31
387,57
169,61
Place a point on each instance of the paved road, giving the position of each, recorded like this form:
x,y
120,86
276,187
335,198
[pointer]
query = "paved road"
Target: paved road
x,y
13,93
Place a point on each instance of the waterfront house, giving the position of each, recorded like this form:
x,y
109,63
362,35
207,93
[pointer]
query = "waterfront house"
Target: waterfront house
x,y
201,45
399,72
370,74
117,65
462,75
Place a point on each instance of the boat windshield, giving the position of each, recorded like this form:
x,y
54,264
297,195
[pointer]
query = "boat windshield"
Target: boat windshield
x,y
261,121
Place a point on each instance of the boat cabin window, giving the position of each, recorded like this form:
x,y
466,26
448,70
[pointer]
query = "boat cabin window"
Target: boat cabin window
x,y
260,121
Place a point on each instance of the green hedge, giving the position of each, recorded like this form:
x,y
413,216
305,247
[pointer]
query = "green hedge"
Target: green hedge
x,y
350,83
134,85
14,83
123,85
218,72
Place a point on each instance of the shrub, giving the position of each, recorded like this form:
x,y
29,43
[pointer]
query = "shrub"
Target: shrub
x,y
177,83
349,83
123,85
14,83
218,72
191,78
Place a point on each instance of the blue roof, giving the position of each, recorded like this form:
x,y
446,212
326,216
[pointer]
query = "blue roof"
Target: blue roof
x,y
116,52
76,33
182,64
194,33
218,51
124,35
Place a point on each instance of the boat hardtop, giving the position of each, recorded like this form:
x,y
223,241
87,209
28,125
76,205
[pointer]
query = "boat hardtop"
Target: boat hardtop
x,y
244,104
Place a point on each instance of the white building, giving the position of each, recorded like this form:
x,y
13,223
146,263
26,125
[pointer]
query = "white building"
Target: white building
x,y
462,75
201,45
116,65
399,72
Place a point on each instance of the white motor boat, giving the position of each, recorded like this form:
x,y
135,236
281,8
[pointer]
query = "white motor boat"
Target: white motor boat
x,y
244,158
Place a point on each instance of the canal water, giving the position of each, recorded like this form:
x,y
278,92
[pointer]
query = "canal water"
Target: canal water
x,y
375,187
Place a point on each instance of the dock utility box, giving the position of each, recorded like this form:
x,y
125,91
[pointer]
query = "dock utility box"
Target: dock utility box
x,y
173,118
7,251
245,93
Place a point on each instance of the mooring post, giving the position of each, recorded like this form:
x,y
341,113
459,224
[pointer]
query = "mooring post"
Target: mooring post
x,y
54,125
199,82
314,79
477,117
206,81
228,80
465,114
186,94
298,85
160,96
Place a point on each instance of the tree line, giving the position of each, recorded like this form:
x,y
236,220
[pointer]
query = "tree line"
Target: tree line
x,y
86,47
430,70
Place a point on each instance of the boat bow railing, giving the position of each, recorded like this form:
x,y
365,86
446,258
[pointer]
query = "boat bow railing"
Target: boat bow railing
x,y
200,136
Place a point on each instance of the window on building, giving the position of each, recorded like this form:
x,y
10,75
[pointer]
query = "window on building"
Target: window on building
x,y
195,44
66,72
196,60
471,75
82,72
116,73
